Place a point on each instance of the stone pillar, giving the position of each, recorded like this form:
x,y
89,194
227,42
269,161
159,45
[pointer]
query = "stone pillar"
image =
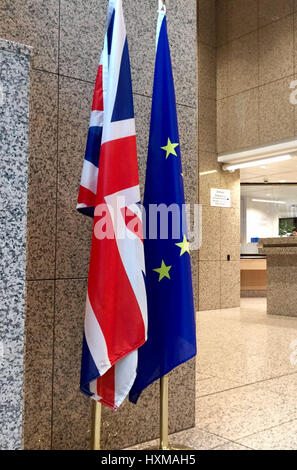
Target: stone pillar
x,y
281,253
63,71
14,117
219,255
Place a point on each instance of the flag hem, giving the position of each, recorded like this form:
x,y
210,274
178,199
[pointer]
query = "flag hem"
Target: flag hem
x,y
112,364
134,401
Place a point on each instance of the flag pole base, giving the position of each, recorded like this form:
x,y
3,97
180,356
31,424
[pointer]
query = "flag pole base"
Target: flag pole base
x,y
96,426
164,443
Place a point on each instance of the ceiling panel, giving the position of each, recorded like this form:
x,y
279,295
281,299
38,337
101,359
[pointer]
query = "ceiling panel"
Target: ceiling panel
x,y
279,192
273,172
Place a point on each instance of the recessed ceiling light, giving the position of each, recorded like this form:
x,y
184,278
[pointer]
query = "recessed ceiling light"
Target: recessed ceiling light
x,y
210,172
263,166
282,181
268,200
236,166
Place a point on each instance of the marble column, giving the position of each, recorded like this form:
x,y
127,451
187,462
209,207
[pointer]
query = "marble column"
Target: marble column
x,y
63,71
14,117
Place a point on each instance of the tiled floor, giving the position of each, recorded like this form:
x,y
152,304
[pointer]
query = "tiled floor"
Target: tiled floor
x,y
246,385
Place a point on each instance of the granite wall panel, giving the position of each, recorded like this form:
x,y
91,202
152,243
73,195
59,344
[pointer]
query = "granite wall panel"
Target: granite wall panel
x,y
273,10
207,22
256,63
82,29
74,231
67,37
38,362
230,284
71,410
219,126
257,58
281,279
43,128
276,113
36,23
14,124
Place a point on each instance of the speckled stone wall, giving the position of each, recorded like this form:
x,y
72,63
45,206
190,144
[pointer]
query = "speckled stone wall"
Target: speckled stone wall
x,y
219,276
14,124
256,64
257,60
67,36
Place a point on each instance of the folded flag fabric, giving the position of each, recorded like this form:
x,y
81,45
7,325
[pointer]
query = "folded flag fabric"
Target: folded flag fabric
x,y
116,309
171,317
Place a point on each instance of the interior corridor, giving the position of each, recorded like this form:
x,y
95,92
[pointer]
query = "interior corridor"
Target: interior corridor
x,y
246,380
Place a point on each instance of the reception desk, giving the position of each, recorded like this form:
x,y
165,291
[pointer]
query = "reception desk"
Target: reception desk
x,y
281,256
253,278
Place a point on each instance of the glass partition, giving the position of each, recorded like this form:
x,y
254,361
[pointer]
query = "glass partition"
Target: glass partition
x,y
267,210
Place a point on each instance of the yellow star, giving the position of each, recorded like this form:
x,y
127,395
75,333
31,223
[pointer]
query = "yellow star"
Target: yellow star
x,y
184,246
169,148
163,271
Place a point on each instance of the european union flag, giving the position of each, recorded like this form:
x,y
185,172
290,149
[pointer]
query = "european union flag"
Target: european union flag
x,y
171,316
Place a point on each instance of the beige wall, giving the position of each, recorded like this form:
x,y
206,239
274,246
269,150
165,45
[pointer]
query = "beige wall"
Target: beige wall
x,y
219,279
67,36
246,62
256,64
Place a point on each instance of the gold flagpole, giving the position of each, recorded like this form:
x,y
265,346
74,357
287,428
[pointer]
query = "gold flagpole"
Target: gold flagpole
x,y
164,441
96,425
164,445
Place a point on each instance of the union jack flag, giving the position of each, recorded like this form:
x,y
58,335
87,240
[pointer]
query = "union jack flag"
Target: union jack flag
x,y
116,308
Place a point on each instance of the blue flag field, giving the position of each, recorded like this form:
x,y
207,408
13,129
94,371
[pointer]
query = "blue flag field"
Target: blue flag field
x,y
171,316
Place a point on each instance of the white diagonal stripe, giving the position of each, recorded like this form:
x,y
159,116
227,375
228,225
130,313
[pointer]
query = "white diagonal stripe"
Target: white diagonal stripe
x,y
95,340
96,119
125,374
89,176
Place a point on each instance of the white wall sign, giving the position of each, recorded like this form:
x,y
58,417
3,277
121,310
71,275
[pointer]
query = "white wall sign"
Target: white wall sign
x,y
220,197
